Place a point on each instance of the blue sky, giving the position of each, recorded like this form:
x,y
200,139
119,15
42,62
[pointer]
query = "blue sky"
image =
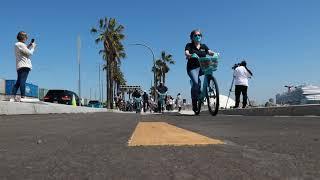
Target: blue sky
x,y
278,38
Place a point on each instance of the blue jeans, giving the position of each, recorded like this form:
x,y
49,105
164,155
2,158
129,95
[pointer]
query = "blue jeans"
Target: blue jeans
x,y
196,83
21,81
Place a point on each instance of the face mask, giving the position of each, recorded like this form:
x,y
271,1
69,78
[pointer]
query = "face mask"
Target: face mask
x,y
197,38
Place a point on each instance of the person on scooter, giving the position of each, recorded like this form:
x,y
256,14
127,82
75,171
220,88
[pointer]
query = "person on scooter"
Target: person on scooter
x,y
161,90
137,100
193,51
145,98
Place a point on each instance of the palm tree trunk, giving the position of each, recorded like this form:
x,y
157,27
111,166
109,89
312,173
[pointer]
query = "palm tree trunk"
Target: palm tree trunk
x,y
111,85
118,87
114,88
164,78
107,86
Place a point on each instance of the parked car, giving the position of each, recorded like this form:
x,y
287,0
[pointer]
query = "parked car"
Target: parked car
x,y
61,97
95,104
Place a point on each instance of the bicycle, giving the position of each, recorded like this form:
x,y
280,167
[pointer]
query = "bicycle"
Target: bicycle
x,y
210,90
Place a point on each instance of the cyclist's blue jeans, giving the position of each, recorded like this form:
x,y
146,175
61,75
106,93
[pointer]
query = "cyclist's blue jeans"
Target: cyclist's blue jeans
x,y
195,85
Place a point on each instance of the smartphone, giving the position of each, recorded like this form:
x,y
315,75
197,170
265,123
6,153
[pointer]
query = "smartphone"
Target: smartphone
x,y
32,40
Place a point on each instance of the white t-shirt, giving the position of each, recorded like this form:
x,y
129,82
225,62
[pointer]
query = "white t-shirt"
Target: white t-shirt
x,y
241,76
23,55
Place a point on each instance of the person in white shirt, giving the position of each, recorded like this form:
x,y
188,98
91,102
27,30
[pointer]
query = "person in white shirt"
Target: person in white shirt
x,y
23,54
241,75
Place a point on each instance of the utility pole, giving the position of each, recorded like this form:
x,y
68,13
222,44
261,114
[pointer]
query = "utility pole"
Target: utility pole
x,y
79,80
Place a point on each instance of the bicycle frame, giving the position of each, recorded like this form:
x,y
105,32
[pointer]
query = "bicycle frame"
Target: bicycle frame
x,y
203,90
207,65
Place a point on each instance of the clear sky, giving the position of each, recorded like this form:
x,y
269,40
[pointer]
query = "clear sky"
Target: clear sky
x,y
278,38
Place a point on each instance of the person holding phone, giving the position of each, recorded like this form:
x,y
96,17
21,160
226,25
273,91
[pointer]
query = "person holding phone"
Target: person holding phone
x,y
23,54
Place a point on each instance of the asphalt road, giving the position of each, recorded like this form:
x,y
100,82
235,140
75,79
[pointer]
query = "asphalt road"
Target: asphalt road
x,y
95,146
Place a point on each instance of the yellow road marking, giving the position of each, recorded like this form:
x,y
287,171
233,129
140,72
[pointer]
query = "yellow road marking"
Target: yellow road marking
x,y
161,133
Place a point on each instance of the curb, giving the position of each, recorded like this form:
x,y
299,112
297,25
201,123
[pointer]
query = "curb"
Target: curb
x,y
297,110
17,108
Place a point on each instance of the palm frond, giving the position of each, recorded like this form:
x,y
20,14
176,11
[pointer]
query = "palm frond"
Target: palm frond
x,y
101,24
93,30
105,23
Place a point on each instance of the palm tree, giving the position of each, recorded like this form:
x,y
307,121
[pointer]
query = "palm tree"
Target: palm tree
x,y
162,66
110,34
118,78
157,71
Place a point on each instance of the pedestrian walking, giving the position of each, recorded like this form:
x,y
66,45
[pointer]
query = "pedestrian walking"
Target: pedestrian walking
x,y
179,102
23,55
171,102
241,75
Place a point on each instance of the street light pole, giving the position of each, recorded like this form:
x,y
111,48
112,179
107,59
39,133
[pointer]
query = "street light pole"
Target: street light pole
x,y
154,65
79,80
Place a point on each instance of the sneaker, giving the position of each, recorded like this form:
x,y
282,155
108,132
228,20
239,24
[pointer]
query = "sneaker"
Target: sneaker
x,y
14,99
23,99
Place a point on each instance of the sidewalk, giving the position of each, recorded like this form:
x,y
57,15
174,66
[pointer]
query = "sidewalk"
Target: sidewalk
x,y
15,108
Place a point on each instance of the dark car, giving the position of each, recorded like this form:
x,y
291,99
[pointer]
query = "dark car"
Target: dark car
x,y
61,97
95,104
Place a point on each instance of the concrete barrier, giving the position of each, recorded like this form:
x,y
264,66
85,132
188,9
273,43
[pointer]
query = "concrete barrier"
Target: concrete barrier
x,y
11,108
297,110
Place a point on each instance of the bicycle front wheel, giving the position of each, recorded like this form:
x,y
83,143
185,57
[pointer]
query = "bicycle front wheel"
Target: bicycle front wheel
x,y
197,111
212,95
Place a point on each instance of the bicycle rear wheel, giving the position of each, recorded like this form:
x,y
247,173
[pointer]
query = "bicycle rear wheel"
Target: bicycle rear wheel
x,y
212,95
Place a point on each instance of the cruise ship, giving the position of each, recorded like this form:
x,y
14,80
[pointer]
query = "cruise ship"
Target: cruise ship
x,y
304,94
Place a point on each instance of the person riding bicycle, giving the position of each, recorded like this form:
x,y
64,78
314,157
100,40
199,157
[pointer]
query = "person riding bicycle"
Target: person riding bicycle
x,y
193,51
161,90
